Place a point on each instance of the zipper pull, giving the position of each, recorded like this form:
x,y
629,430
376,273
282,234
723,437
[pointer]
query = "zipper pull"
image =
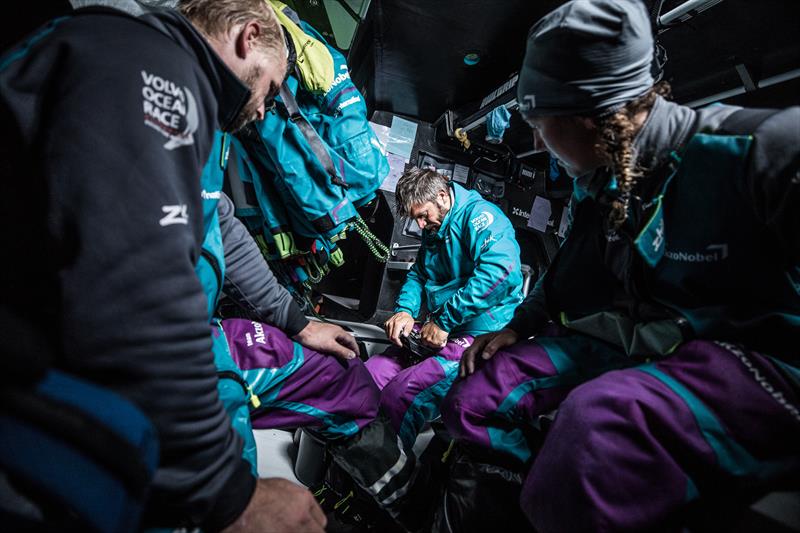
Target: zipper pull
x,y
255,401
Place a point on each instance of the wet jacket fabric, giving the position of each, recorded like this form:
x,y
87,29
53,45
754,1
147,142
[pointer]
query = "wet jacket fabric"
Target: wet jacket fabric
x,y
306,197
108,121
467,273
712,251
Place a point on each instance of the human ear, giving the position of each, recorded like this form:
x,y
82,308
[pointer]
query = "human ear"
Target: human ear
x,y
246,38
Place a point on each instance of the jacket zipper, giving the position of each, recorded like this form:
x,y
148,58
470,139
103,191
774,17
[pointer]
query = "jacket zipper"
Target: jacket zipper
x,y
212,260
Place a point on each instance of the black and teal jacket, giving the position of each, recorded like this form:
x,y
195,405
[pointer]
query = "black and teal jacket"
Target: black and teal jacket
x,y
107,121
711,249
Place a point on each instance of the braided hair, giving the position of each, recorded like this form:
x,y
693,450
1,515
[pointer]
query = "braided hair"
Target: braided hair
x,y
615,145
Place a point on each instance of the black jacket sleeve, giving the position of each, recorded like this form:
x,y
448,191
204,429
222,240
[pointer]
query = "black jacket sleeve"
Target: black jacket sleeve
x,y
124,220
774,178
249,280
531,315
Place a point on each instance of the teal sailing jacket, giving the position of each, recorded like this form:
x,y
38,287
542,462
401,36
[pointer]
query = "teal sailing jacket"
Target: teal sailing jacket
x,y
467,273
309,201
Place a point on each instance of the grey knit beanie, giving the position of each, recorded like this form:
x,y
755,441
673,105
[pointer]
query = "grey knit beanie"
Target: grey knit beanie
x,y
587,57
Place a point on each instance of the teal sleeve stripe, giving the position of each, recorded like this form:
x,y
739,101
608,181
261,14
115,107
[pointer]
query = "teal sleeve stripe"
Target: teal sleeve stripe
x,y
691,491
425,406
266,383
333,425
558,356
731,456
25,48
511,442
792,372
589,359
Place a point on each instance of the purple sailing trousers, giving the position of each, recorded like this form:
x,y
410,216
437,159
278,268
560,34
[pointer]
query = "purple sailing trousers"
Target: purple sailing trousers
x,y
631,444
298,387
411,394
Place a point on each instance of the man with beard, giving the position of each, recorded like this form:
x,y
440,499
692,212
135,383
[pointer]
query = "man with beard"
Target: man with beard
x,y
467,275
467,271
107,122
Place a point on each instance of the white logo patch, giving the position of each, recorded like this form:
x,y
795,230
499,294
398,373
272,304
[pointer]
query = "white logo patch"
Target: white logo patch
x,y
712,253
260,336
213,195
484,220
461,341
170,110
520,213
487,241
528,102
175,214
659,238
350,101
340,77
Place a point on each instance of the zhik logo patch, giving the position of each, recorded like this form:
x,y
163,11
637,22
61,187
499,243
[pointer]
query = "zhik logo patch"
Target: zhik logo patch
x,y
487,242
175,214
169,109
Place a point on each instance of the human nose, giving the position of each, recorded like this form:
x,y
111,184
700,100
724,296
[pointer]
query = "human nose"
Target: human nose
x,y
261,111
421,223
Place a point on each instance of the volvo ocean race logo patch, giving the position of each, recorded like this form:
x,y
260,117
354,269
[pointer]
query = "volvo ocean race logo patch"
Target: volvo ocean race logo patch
x,y
484,220
170,110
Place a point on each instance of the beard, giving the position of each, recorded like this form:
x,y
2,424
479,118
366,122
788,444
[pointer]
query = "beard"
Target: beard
x,y
249,112
443,210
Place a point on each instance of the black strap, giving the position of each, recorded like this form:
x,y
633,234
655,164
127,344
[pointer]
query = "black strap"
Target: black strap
x,y
317,146
291,58
242,193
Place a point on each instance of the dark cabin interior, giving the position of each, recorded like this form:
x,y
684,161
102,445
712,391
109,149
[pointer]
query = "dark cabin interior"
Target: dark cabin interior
x,y
445,65
410,59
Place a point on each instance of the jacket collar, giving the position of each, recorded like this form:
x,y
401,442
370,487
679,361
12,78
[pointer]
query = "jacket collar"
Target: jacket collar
x,y
455,204
667,128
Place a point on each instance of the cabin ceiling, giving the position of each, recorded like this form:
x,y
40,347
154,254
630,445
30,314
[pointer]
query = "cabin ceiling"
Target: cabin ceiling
x,y
418,49
408,55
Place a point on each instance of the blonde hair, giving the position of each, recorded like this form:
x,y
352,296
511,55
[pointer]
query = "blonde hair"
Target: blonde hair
x,y
215,18
615,145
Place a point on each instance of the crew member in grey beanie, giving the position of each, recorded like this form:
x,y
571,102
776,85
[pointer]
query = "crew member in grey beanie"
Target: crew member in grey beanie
x,y
675,380
588,57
